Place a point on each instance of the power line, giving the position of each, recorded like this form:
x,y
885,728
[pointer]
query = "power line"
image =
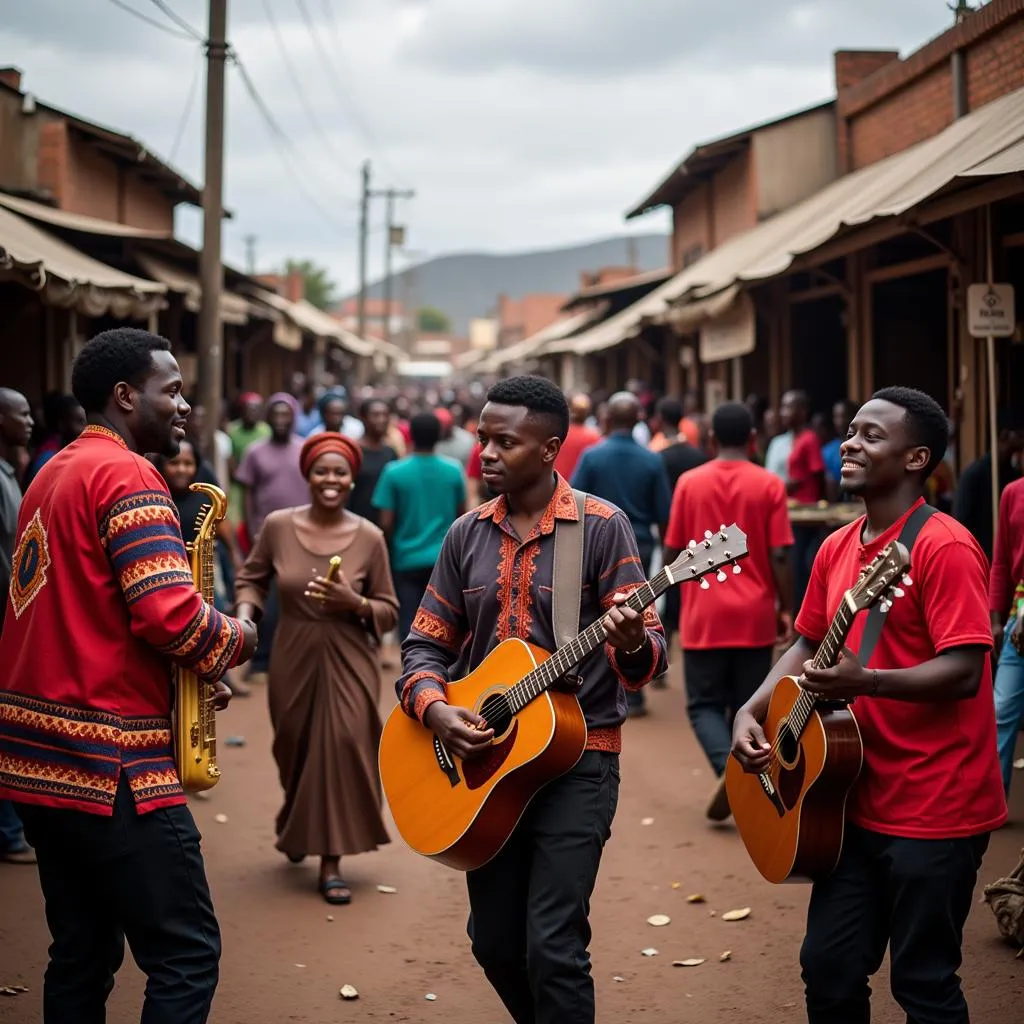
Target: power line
x,y
282,143
167,30
169,12
335,75
300,92
189,103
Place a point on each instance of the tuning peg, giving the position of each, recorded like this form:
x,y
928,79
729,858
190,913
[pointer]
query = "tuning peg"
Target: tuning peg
x,y
736,569
704,585
884,605
898,591
907,581
692,544
722,528
721,577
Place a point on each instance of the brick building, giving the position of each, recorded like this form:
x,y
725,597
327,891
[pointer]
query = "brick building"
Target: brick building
x,y
841,286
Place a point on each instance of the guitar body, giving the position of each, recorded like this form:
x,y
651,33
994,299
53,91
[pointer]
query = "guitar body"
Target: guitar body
x,y
792,818
461,813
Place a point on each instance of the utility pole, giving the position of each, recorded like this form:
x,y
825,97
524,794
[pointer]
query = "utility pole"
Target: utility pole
x,y
364,208
390,241
210,362
250,254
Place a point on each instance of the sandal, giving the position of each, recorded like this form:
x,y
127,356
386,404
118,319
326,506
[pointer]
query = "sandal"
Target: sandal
x,y
335,890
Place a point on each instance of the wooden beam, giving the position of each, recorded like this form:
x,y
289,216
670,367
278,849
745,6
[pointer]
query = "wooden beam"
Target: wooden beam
x,y
940,261
821,291
854,326
1014,240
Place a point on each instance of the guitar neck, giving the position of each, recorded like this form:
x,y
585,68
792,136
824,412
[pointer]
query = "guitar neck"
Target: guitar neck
x,y
830,648
568,657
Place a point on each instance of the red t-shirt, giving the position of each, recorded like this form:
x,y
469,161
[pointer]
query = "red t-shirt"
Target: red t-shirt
x,y
576,442
806,468
930,769
474,470
741,611
1008,557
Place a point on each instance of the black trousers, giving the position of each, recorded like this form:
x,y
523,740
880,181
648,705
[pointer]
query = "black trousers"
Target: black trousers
x,y
410,586
912,894
530,906
133,876
718,683
806,541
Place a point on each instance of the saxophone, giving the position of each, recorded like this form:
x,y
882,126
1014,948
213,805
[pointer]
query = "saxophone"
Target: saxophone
x,y
195,725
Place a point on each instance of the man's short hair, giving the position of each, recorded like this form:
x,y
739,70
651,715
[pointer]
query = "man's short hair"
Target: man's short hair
x,y
927,424
732,424
425,430
670,410
122,354
368,403
537,394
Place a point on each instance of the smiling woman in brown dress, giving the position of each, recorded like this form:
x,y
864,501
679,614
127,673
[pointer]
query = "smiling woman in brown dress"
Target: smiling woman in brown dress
x,y
324,676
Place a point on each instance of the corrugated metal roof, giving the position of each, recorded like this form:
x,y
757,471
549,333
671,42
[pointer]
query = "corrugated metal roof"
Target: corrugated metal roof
x,y
988,141
67,277
234,309
77,221
307,317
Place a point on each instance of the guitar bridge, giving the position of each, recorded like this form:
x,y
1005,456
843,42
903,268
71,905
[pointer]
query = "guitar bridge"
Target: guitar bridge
x,y
772,793
445,762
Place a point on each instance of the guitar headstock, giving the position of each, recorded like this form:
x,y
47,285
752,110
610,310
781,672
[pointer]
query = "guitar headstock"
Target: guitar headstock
x,y
880,580
712,554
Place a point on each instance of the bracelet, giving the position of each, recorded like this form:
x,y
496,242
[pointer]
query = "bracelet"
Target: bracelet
x,y
874,682
643,644
364,607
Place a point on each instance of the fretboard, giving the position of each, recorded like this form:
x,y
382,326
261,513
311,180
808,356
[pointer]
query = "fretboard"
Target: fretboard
x,y
825,657
568,657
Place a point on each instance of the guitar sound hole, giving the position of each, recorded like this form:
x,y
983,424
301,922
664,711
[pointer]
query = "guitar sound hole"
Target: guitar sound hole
x,y
789,745
497,713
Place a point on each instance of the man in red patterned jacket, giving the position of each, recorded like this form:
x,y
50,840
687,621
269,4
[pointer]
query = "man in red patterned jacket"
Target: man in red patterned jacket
x,y
101,603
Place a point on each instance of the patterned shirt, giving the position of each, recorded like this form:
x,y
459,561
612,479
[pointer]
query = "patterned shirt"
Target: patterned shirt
x,y
489,585
101,603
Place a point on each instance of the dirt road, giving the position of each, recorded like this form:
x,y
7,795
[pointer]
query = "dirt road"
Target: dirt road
x,y
284,960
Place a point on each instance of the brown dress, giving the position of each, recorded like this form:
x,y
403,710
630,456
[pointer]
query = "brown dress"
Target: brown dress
x,y
323,688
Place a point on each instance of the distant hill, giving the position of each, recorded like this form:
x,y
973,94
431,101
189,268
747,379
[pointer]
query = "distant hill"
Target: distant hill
x,y
467,285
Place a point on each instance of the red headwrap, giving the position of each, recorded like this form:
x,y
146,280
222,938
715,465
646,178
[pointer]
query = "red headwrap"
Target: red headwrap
x,y
321,444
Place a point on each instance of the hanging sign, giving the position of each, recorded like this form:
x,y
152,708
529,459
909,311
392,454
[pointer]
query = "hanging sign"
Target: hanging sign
x,y
990,310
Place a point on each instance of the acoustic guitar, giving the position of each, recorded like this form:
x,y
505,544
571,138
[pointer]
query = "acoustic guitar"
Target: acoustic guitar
x,y
461,813
792,816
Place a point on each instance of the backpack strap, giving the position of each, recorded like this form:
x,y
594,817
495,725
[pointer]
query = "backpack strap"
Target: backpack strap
x,y
876,617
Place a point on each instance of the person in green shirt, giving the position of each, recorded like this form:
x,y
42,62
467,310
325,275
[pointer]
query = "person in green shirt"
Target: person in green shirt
x,y
249,428
419,497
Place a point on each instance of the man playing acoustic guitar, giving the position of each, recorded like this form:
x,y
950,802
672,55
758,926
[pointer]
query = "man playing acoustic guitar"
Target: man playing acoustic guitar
x,y
930,791
494,579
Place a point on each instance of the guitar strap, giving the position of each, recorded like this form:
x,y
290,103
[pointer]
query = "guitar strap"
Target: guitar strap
x,y
567,579
876,617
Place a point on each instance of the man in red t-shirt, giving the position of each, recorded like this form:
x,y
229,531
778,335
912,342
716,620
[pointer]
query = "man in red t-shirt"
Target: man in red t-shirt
x,y
805,484
728,633
579,439
930,790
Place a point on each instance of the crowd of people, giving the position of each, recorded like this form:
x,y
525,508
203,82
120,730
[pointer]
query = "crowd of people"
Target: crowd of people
x,y
347,532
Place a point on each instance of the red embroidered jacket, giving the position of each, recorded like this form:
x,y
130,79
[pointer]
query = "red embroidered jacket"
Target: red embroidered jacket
x,y
101,602
489,585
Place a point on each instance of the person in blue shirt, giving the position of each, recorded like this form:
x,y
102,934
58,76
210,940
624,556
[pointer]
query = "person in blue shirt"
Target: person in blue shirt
x,y
419,497
624,473
842,414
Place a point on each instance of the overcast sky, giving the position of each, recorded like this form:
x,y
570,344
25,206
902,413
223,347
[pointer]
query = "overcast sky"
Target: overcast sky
x,y
520,123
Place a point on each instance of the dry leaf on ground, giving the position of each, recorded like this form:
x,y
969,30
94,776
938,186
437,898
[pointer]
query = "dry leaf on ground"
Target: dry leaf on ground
x,y
386,888
695,962
695,897
736,915
727,955
659,920
430,996
221,819
649,952
618,977
677,885
12,990
348,992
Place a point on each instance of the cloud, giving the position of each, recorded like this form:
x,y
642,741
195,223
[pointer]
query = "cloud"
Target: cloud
x,y
520,123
